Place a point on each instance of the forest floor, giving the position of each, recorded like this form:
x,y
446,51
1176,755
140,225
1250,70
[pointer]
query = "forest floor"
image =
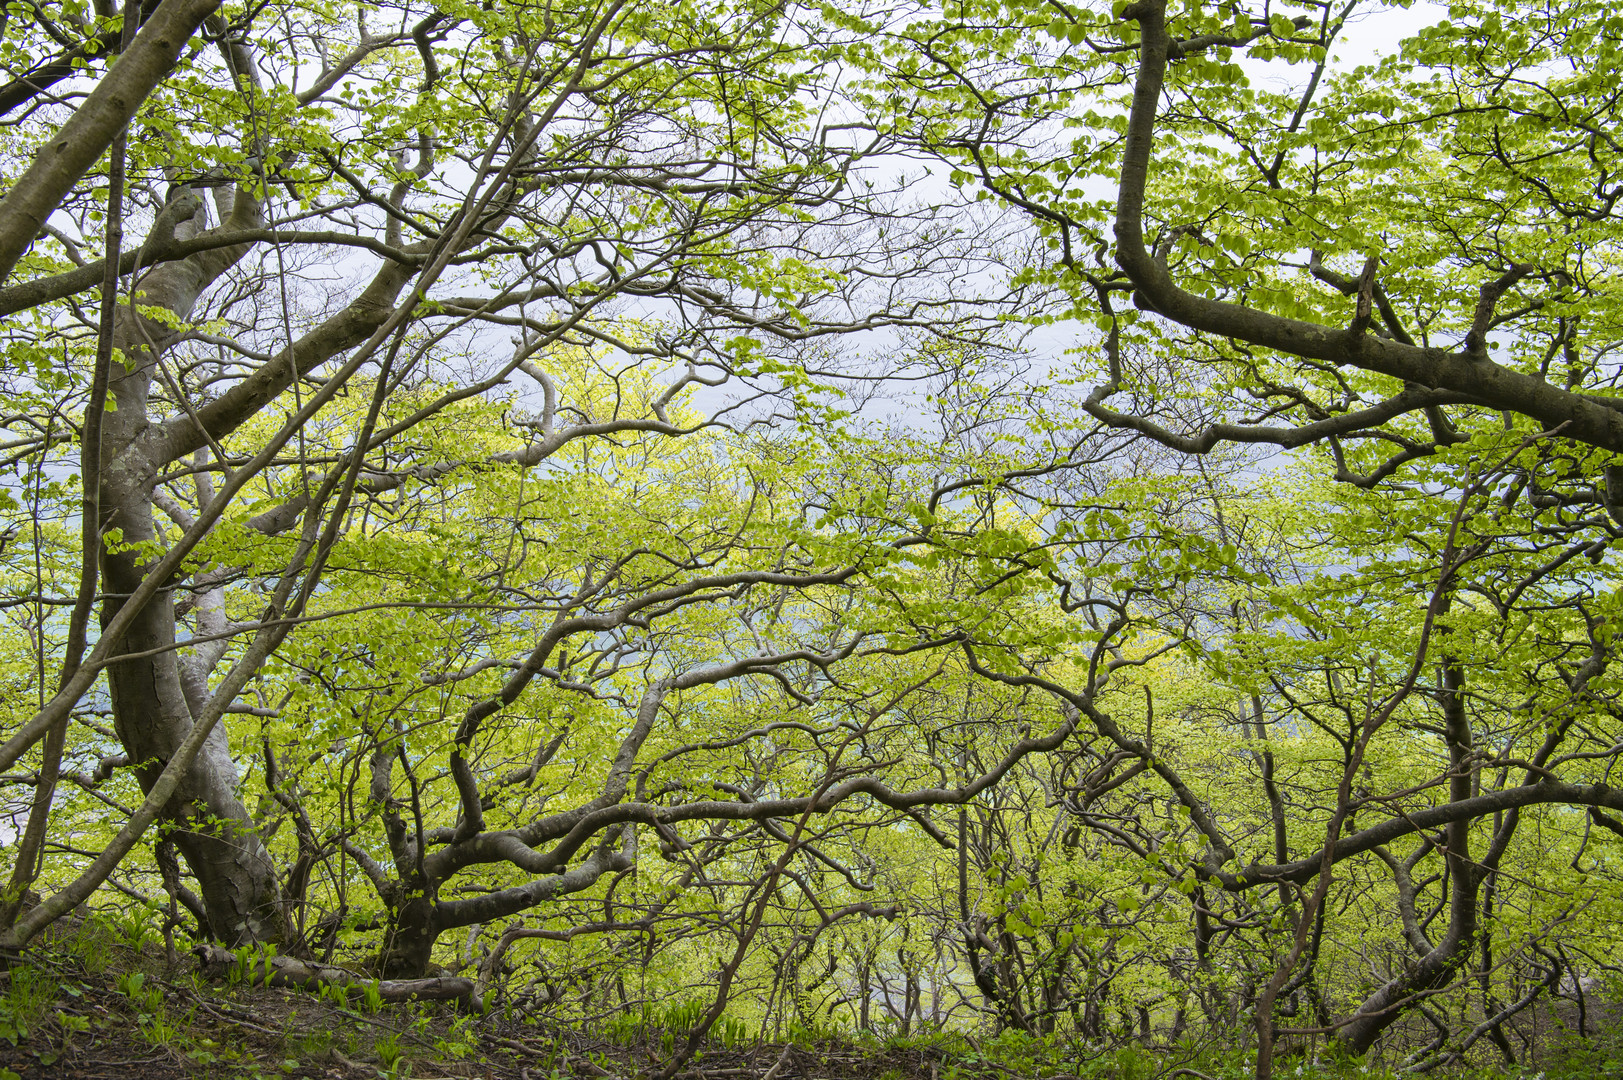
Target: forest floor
x,y
169,1030
101,1029
89,1006
104,1009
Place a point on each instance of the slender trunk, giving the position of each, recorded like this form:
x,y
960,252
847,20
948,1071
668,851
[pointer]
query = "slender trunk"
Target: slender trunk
x,y
26,867
209,825
1437,967
1490,1005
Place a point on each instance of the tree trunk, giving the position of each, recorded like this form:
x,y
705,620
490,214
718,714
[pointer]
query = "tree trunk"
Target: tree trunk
x,y
208,823
409,945
1437,967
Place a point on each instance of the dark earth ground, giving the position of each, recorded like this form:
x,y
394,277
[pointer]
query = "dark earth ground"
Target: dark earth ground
x,y
270,1033
98,1029
88,1007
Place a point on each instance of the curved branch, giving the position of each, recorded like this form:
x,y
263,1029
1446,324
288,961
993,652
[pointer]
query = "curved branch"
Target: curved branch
x,y
1465,371
80,142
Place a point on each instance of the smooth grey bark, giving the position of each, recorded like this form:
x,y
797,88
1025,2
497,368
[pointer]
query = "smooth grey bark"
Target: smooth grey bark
x,y
299,573
1466,372
162,246
156,695
80,142
67,64
302,975
208,823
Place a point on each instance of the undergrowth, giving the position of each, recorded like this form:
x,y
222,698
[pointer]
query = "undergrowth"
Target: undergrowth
x,y
104,993
108,995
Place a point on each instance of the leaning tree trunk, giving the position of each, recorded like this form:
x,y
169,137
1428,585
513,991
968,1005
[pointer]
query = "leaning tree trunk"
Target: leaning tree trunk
x,y
220,841
1437,967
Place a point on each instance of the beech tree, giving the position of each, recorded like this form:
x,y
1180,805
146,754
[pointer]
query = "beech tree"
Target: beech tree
x,y
1401,271
338,202
1409,241
567,464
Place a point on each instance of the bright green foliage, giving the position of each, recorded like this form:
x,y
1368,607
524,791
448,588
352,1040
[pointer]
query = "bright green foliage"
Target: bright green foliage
x,y
637,565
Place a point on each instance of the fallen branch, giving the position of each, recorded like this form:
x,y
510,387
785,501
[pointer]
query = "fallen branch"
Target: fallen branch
x,y
304,975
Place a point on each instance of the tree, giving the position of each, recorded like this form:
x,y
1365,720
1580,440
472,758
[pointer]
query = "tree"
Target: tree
x,y
1482,197
1388,265
450,176
496,432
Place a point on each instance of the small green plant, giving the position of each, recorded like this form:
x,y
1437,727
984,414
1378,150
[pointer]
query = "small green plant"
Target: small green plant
x,y
202,1055
71,1024
137,926
92,945
682,1018
315,1043
629,1026
146,999
459,1041
159,1031
28,996
389,1052
1133,1063
731,1032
